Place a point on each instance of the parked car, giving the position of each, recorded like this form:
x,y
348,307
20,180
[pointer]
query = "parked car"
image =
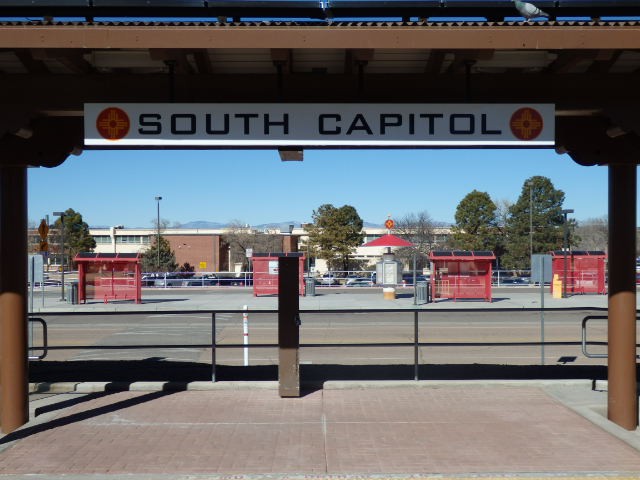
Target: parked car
x,y
407,278
514,281
204,281
168,280
243,281
360,282
329,279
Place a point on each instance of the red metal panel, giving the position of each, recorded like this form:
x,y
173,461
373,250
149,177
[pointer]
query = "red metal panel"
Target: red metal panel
x,y
109,277
265,275
461,275
585,271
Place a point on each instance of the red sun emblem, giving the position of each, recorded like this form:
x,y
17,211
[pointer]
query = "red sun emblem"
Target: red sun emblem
x,y
526,123
113,123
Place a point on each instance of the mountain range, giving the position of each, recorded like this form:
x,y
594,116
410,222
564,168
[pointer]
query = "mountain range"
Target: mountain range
x,y
203,224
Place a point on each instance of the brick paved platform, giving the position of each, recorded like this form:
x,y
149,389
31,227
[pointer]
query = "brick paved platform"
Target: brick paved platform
x,y
456,431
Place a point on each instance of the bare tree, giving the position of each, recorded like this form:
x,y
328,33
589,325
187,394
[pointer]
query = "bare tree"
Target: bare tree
x,y
421,230
593,234
240,236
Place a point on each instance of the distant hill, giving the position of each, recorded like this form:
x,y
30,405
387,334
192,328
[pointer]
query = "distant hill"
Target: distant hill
x,y
202,224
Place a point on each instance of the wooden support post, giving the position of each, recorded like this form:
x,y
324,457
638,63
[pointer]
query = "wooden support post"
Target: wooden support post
x,y
14,382
622,395
288,327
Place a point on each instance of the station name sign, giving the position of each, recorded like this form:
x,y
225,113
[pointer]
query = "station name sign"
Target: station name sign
x,y
318,125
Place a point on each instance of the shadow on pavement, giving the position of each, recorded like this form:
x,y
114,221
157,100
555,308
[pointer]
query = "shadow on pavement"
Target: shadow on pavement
x,y
84,415
159,370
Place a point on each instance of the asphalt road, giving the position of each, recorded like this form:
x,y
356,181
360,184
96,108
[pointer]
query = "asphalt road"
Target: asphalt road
x,y
458,337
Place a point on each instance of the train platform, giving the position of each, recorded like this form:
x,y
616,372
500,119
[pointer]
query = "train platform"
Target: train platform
x,y
396,429
341,430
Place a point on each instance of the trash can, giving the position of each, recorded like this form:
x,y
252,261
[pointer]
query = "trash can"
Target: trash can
x,y
422,292
72,293
309,287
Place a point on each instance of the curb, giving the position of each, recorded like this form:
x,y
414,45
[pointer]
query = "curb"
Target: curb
x,y
203,386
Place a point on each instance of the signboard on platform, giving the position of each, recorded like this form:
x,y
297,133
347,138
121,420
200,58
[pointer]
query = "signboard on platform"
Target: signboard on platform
x,y
318,125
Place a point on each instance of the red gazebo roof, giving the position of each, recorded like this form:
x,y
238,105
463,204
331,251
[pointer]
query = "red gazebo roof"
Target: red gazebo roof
x,y
388,241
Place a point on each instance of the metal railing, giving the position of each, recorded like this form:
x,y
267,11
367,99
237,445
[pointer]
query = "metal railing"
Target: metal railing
x,y
415,344
45,340
584,337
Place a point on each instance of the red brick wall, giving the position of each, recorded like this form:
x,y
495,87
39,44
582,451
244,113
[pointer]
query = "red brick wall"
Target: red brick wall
x,y
195,249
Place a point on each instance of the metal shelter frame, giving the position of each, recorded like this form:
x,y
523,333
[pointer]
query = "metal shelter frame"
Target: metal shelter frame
x,y
588,68
109,276
461,274
585,271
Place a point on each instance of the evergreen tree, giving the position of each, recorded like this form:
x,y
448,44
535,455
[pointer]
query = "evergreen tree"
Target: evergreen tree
x,y
535,223
335,234
476,225
76,235
167,257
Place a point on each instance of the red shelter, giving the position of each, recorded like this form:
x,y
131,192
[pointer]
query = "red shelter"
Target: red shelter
x,y
461,274
265,272
585,270
109,276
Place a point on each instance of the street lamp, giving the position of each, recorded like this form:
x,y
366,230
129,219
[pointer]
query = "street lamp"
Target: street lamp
x,y
113,233
158,237
566,248
61,215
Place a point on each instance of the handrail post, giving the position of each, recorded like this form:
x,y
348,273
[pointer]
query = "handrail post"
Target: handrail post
x,y
45,340
416,345
213,346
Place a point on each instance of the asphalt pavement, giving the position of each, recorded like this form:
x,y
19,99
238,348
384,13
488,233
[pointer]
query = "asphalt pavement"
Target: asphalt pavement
x,y
235,298
501,428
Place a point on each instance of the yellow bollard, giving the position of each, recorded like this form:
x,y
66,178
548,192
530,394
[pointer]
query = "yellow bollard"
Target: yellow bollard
x,y
557,286
389,293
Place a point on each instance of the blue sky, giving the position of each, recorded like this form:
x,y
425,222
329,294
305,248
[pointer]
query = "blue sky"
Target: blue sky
x,y
255,187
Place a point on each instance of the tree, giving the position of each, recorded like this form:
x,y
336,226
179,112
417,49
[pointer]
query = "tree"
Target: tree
x,y
240,237
421,230
535,223
335,234
476,225
167,257
186,267
76,235
593,234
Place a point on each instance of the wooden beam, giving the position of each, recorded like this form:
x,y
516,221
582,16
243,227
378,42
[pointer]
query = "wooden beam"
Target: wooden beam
x,y
179,57
31,64
568,91
435,61
203,62
515,37
71,58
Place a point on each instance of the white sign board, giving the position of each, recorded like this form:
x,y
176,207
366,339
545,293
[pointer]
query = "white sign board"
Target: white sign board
x,y
273,267
318,125
35,267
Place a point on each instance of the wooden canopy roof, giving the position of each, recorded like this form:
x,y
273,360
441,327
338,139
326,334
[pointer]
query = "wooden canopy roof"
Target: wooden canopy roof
x,y
50,68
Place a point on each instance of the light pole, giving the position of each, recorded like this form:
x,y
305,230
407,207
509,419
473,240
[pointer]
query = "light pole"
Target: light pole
x,y
61,215
566,248
113,232
158,237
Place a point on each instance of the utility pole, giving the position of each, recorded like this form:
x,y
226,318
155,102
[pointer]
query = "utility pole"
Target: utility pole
x,y
61,215
566,248
158,237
